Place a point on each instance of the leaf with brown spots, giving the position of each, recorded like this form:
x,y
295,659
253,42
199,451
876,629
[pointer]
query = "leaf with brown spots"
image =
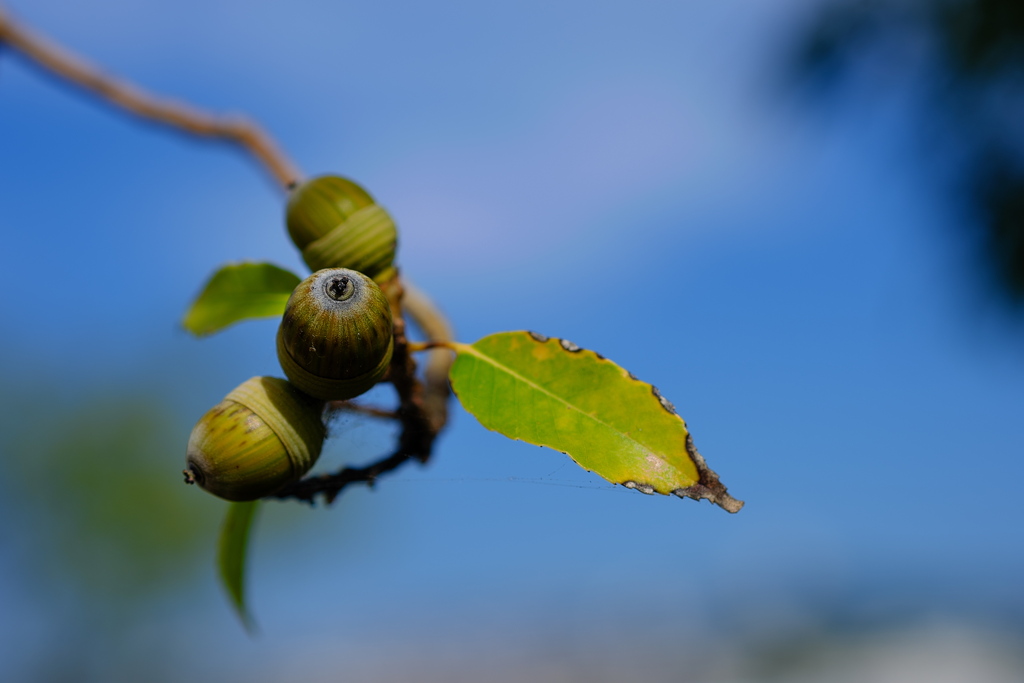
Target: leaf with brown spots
x,y
551,392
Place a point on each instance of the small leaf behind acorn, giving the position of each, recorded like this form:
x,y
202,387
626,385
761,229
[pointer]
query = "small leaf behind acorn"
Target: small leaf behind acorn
x,y
239,291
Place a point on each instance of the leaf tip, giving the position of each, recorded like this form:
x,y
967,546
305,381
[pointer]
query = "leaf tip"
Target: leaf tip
x,y
717,495
708,485
192,328
248,622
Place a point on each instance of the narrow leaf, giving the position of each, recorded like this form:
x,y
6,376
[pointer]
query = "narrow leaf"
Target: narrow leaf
x,y
238,291
231,556
552,393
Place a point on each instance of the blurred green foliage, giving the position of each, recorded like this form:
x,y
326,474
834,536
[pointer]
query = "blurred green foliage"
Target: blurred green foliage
x,y
88,484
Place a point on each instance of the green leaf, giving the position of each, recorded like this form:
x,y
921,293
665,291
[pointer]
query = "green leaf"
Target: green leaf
x,y
238,291
231,556
552,393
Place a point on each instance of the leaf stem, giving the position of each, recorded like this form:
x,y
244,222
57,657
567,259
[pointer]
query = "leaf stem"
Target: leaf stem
x,y
418,347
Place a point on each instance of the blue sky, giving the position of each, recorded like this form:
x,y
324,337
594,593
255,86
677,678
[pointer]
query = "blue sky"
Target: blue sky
x,y
630,176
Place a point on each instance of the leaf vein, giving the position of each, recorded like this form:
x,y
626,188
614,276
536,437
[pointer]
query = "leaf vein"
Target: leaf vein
x,y
476,352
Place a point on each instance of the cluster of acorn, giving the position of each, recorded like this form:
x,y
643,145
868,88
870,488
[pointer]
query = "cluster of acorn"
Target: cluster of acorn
x,y
334,343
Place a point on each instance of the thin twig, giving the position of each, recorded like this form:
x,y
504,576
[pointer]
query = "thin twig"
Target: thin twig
x,y
372,411
75,71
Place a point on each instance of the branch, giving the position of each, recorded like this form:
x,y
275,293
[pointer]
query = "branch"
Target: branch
x,y
422,407
330,485
75,71
436,328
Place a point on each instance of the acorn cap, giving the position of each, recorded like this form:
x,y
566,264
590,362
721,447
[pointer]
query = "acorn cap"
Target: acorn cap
x,y
264,435
318,205
337,224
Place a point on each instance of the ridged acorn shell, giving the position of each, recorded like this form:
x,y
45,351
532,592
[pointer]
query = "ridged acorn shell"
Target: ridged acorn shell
x,y
336,348
337,224
263,435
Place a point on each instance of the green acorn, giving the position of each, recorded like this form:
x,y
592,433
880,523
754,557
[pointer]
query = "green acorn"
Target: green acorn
x,y
263,435
337,224
336,336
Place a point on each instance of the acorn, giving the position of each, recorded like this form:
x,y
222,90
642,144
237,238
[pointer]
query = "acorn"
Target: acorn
x,y
337,224
336,336
264,435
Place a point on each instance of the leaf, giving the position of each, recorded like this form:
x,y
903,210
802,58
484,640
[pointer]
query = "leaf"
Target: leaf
x,y
552,393
238,291
231,556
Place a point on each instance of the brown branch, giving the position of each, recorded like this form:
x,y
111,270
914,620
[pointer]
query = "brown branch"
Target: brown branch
x,y
330,485
75,71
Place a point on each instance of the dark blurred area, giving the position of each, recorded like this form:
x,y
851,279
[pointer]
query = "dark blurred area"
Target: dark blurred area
x,y
962,64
